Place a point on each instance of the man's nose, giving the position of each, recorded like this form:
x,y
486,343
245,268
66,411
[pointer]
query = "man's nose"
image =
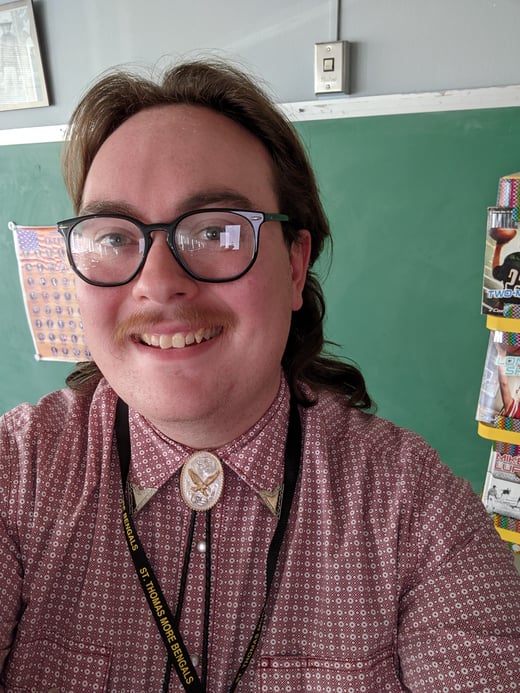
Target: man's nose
x,y
162,278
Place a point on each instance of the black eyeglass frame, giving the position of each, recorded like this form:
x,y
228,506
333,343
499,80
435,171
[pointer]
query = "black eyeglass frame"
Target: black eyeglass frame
x,y
255,218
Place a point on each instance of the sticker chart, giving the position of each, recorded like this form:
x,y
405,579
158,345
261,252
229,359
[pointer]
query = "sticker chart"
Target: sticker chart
x,y
49,296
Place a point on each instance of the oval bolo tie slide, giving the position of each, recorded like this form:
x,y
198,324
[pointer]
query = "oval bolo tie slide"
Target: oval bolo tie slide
x,y
202,480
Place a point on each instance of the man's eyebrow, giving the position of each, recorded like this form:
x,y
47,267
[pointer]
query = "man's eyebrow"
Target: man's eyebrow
x,y
216,198
219,198
108,207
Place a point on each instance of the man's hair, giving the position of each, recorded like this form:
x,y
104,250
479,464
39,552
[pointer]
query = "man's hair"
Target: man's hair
x,y
222,87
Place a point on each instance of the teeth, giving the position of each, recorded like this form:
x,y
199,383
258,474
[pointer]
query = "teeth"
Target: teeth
x,y
179,340
165,342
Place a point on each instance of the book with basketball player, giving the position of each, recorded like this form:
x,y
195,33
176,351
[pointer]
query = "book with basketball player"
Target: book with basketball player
x,y
501,283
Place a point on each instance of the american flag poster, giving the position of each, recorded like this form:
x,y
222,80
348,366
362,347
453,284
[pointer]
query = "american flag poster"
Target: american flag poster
x,y
48,291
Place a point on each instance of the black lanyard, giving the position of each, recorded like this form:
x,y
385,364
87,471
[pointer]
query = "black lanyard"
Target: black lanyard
x,y
166,623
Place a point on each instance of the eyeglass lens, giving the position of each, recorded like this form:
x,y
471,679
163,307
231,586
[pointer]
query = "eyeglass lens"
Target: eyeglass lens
x,y
211,245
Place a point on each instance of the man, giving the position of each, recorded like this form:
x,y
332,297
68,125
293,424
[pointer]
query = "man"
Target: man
x,y
507,271
274,535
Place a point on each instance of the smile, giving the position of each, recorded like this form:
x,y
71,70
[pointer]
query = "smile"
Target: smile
x,y
179,340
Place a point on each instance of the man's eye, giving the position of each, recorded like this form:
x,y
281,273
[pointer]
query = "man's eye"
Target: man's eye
x,y
114,240
212,233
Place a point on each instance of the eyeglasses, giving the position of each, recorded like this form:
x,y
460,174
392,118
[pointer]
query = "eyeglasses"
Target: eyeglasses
x,y
211,245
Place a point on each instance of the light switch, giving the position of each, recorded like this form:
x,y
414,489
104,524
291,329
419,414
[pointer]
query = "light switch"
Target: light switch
x,y
328,64
331,67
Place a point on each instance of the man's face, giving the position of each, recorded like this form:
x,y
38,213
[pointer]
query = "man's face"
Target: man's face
x,y
159,164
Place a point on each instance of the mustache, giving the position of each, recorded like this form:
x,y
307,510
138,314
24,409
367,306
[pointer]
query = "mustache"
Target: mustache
x,y
191,318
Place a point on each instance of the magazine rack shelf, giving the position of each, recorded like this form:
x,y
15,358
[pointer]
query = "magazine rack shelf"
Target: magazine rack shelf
x,y
498,411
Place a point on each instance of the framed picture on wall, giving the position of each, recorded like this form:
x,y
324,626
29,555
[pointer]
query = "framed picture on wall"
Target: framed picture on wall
x,y
22,81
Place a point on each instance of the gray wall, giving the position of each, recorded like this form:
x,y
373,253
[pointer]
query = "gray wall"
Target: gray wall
x,y
398,45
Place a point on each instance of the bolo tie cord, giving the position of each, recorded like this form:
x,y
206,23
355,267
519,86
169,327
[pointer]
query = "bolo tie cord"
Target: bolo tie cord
x,y
207,596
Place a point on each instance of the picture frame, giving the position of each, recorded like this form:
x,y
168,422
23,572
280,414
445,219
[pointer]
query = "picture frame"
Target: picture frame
x,y
22,80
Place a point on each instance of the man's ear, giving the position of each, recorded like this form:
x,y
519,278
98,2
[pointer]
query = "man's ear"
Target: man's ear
x,y
299,255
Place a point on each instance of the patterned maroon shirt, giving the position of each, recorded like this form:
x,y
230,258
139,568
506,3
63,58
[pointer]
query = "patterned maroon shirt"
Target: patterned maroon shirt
x,y
391,577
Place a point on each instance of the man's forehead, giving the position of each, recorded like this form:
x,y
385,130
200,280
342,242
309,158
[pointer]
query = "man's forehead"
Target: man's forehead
x,y
177,121
206,158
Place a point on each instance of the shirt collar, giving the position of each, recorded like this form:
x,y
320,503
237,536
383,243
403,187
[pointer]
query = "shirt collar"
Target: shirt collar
x,y
257,456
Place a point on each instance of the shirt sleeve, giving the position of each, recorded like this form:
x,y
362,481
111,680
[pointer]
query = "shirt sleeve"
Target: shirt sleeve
x,y
459,616
11,572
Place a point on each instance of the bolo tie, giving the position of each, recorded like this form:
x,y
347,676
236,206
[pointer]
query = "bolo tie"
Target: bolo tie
x,y
200,490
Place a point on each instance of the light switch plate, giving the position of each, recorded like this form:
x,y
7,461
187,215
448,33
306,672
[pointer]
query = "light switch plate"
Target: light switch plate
x,y
331,67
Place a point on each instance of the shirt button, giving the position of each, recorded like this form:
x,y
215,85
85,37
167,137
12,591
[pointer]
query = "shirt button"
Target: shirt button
x,y
195,660
201,546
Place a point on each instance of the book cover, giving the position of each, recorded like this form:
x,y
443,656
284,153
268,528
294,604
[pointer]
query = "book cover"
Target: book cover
x,y
499,398
501,493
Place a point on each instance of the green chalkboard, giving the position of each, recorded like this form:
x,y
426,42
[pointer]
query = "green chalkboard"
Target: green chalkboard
x,y
406,196
31,192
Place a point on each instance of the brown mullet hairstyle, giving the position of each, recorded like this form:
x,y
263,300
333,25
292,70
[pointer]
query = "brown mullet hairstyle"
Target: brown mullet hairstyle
x,y
120,94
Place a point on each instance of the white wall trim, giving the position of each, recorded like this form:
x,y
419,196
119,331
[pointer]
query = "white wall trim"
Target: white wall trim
x,y
47,133
395,104
340,107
